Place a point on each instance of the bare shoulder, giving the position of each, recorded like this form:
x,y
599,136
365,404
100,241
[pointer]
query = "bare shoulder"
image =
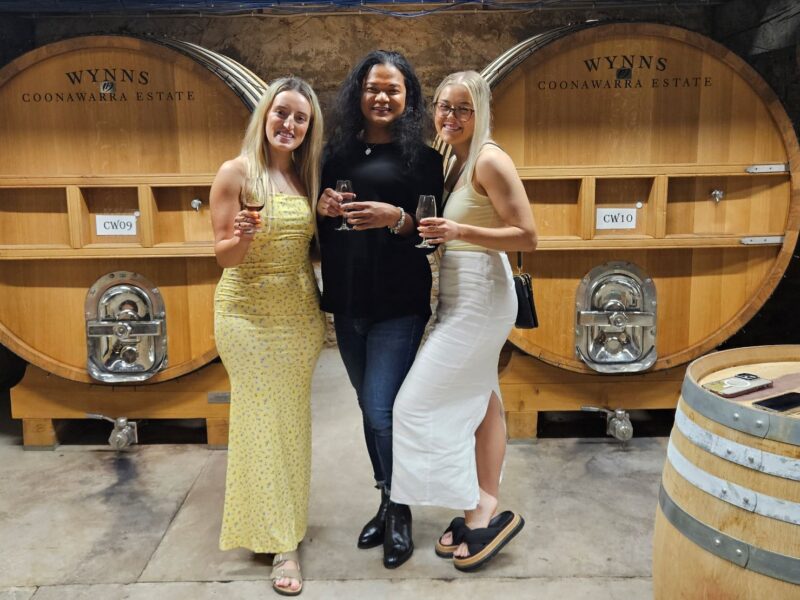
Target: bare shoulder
x,y
493,164
234,168
229,177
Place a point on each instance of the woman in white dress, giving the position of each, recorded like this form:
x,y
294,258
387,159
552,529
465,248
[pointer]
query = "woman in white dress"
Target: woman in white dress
x,y
449,428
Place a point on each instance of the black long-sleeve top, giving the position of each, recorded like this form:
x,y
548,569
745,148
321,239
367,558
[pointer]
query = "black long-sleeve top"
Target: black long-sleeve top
x,y
375,273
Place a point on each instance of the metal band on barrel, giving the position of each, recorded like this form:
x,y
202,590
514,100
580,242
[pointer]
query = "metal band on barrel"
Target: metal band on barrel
x,y
501,66
746,456
778,566
243,82
755,422
744,498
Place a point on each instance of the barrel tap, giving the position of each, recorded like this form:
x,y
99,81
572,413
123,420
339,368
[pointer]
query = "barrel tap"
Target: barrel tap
x,y
124,434
618,422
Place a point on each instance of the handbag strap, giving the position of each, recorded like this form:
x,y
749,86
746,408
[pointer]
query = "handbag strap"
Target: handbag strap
x,y
519,263
450,164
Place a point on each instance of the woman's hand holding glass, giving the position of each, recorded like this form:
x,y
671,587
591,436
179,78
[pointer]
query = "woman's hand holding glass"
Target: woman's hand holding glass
x,y
436,230
330,203
247,222
371,215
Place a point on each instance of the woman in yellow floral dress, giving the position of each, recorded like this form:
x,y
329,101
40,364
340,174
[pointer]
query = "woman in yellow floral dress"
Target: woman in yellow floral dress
x,y
269,329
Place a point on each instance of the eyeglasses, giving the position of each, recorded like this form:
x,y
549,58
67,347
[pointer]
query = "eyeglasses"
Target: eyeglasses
x,y
461,113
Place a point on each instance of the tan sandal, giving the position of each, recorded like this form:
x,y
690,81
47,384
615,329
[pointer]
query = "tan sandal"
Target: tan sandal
x,y
279,571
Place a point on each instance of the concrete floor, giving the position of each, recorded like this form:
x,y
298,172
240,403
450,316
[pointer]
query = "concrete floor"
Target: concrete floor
x,y
82,522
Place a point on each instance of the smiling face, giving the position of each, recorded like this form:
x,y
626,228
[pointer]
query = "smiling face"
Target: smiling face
x,y
454,126
288,120
383,97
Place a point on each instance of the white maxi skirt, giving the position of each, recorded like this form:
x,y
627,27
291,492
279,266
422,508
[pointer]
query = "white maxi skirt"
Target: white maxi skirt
x,y
445,395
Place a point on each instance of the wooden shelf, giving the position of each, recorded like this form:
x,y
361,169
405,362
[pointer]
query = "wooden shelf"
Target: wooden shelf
x,y
119,251
132,180
672,170
641,242
565,200
666,206
57,217
34,217
747,206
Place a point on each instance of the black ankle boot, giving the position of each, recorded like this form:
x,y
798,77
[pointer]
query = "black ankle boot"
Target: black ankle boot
x,y
397,543
373,532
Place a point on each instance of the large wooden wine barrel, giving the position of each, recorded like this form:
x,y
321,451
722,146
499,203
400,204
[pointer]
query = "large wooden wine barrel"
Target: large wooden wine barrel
x,y
672,131
728,518
112,125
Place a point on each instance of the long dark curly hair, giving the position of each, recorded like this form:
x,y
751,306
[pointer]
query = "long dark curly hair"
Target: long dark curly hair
x,y
409,130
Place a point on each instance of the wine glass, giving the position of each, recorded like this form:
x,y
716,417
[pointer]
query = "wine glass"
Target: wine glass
x,y
252,197
426,208
343,186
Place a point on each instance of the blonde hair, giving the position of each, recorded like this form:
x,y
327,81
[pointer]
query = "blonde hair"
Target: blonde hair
x,y
481,96
306,157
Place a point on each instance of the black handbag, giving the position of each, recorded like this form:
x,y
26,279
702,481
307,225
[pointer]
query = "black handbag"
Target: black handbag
x,y
526,309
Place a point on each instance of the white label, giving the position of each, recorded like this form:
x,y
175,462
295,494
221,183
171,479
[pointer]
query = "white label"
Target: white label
x,y
115,224
616,218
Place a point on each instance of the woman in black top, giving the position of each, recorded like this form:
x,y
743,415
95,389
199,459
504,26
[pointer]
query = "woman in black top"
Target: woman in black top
x,y
375,282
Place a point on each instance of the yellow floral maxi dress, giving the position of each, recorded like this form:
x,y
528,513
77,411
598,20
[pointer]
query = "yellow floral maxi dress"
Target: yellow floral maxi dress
x,y
269,333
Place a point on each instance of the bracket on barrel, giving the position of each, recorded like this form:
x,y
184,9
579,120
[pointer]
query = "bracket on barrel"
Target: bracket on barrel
x,y
615,319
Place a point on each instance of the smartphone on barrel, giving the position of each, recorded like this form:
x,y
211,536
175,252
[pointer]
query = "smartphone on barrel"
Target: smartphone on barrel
x,y
783,403
738,385
744,383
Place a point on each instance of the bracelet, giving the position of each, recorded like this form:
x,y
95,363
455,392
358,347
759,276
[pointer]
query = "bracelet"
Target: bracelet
x,y
400,222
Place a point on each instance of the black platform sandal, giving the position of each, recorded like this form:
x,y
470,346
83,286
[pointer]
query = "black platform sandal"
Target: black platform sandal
x,y
458,527
485,543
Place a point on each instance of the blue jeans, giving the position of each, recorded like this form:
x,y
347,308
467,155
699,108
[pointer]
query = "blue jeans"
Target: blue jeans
x,y
377,356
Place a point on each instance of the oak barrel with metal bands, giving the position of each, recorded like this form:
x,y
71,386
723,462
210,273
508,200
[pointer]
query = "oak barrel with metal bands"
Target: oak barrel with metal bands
x,y
728,516
673,131
113,126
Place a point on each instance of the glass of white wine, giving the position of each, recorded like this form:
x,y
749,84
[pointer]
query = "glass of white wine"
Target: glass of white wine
x,y
343,186
426,208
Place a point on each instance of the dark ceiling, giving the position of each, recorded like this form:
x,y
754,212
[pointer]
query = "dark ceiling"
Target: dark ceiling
x,y
118,7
